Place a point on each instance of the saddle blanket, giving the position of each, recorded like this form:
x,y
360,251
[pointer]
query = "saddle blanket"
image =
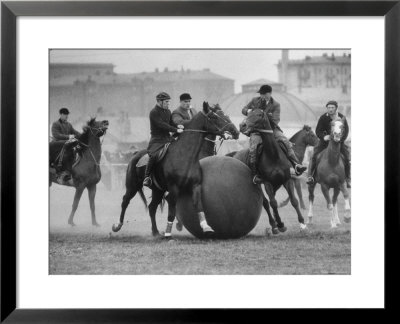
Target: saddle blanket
x,y
160,155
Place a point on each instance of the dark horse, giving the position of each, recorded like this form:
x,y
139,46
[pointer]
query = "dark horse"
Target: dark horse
x,y
274,168
86,173
303,138
330,174
179,171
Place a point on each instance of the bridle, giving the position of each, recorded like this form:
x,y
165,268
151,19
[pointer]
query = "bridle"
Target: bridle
x,y
98,130
220,130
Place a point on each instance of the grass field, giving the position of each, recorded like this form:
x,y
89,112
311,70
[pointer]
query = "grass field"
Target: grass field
x,y
88,250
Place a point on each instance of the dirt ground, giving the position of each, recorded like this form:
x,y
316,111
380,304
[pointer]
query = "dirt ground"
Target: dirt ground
x,y
85,249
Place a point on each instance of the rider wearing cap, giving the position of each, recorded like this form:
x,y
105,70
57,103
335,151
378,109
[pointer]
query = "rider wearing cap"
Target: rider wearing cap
x,y
62,131
272,109
161,125
323,131
184,113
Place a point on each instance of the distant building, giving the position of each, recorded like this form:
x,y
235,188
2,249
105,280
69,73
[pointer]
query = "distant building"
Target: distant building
x,y
318,79
89,89
294,112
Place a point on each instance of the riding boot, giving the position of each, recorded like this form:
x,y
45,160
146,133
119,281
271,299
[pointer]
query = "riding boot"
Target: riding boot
x,y
298,168
149,168
253,166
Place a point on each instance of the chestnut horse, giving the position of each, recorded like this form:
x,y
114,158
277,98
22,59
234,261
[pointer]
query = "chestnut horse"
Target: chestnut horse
x,y
86,173
330,174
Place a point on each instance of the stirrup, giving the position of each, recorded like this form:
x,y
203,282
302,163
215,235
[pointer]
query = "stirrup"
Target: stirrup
x,y
147,182
257,180
299,169
310,180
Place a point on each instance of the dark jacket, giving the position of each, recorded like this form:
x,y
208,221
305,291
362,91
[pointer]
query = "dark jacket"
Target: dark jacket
x,y
60,130
160,127
273,107
324,127
180,116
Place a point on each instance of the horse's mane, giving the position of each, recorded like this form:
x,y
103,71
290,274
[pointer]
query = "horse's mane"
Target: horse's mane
x,y
84,138
294,138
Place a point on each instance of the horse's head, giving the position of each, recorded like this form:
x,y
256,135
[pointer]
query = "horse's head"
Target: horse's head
x,y
337,129
256,120
96,128
310,137
218,122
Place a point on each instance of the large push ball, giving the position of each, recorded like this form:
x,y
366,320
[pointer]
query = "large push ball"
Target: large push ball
x,y
232,203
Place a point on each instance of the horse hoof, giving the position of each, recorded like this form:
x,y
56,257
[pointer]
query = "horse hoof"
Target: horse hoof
x,y
275,231
303,227
303,207
157,233
71,223
96,224
116,228
282,229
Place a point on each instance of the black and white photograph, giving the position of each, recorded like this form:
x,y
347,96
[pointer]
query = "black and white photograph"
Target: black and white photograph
x,y
200,161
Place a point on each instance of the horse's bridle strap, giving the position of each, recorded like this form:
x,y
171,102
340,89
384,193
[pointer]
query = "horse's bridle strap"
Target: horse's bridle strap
x,y
264,131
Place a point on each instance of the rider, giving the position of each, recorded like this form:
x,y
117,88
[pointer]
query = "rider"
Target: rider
x,y
272,109
62,131
323,130
184,113
161,125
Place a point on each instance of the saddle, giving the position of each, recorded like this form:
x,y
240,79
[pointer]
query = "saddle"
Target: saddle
x,y
62,151
160,156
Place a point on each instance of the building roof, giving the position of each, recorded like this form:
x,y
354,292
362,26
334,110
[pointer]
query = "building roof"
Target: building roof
x,y
167,76
81,65
325,59
294,112
261,82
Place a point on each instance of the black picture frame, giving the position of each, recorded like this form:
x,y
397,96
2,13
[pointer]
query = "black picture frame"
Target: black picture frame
x,y
9,13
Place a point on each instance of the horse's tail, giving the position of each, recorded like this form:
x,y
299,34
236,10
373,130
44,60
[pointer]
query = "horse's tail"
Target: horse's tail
x,y
143,197
163,201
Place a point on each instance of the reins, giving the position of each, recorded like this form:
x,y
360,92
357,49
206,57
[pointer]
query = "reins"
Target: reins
x,y
88,146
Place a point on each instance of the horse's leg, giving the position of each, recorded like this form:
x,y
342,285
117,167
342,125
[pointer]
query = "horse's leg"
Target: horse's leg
x,y
92,194
198,205
171,214
274,204
156,198
297,185
77,197
272,221
129,194
325,191
311,188
336,192
289,186
347,213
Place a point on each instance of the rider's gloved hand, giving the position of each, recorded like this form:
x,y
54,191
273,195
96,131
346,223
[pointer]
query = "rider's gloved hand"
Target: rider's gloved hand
x,y
227,136
249,110
71,136
180,126
327,138
179,130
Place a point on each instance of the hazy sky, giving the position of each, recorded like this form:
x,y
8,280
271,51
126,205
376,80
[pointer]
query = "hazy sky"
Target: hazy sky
x,y
240,65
